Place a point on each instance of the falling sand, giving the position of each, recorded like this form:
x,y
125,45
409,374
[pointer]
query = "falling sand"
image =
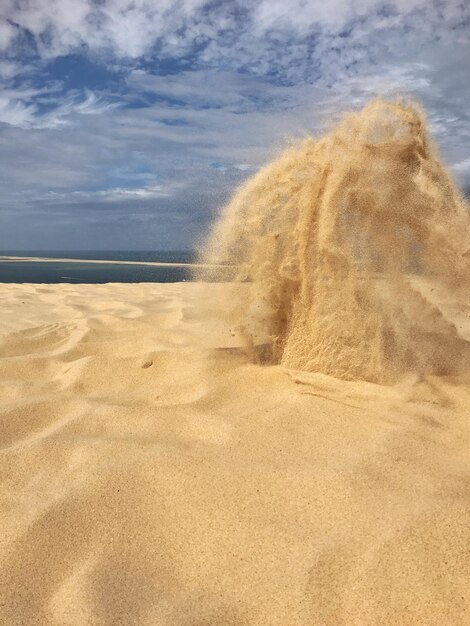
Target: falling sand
x,y
337,238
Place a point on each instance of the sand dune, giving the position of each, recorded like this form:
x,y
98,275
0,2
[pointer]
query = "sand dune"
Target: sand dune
x,y
152,475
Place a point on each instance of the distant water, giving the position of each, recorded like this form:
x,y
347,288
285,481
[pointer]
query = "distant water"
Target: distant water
x,y
64,272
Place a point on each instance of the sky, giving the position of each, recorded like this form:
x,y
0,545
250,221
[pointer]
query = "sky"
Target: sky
x,y
124,124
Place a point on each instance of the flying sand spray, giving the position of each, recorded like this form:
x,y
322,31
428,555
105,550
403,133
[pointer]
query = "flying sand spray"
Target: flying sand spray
x,y
331,239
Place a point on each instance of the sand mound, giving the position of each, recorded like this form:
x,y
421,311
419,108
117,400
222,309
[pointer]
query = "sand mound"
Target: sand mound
x,y
329,237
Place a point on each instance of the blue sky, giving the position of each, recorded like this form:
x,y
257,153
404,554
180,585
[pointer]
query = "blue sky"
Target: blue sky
x,y
124,124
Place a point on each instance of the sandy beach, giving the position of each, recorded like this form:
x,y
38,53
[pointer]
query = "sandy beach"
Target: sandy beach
x,y
152,475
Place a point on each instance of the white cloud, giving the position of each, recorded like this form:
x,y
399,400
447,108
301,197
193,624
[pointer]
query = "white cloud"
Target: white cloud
x,y
7,34
111,195
13,111
127,28
9,69
293,38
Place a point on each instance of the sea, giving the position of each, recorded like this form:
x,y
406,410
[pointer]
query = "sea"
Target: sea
x,y
51,272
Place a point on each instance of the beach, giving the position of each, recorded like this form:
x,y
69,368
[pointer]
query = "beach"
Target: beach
x,y
153,473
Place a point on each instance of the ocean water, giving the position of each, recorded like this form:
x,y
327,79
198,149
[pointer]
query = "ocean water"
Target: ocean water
x,y
158,256
66,272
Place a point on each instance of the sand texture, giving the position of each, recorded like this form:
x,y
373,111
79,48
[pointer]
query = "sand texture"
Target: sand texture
x,y
153,475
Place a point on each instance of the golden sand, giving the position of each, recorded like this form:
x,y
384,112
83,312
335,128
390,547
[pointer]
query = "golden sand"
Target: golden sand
x,y
152,475
156,472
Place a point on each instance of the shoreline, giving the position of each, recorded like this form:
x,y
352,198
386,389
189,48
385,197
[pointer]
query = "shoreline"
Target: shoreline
x,y
34,259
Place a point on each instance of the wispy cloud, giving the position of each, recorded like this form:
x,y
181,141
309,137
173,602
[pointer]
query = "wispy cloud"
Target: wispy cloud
x,y
21,107
111,195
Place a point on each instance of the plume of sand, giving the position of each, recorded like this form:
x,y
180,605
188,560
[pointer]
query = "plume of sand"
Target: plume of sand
x,y
328,238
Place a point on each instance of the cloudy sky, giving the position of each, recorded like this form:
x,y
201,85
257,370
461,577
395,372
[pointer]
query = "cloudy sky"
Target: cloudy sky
x,y
124,123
